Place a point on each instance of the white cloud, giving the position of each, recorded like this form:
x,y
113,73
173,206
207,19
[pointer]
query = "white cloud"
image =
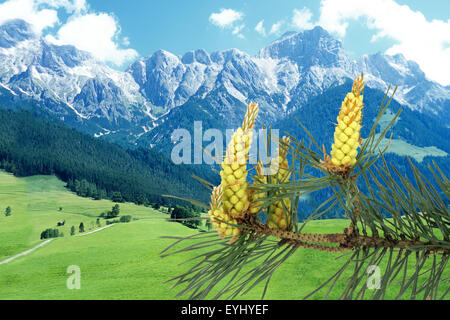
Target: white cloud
x,y
71,6
126,41
237,31
301,19
225,18
276,27
418,39
260,28
97,34
28,10
40,14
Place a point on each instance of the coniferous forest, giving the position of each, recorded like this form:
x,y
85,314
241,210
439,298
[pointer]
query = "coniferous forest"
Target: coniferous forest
x,y
92,168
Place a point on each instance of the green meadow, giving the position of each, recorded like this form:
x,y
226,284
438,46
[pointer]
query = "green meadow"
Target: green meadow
x,y
120,262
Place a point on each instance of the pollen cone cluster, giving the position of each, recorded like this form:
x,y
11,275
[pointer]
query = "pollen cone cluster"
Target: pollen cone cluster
x,y
219,219
279,211
347,137
234,167
255,206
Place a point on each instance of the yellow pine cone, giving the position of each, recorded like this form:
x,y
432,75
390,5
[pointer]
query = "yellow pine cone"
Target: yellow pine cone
x,y
234,175
219,219
256,194
347,138
278,217
234,167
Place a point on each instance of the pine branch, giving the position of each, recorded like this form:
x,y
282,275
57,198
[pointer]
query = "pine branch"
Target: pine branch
x,y
392,222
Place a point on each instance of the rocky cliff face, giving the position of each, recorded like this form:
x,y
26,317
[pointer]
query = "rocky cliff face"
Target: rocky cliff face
x,y
282,78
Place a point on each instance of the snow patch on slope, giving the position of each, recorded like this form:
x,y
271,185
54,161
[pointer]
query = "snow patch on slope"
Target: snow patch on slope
x,y
7,88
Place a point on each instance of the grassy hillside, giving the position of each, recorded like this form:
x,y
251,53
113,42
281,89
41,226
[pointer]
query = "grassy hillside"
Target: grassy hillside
x,y
35,203
120,262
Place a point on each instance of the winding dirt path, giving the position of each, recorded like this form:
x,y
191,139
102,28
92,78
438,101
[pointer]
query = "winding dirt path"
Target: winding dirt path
x,y
26,252
45,243
97,230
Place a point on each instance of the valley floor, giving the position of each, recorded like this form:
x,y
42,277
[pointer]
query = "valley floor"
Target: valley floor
x,y
117,263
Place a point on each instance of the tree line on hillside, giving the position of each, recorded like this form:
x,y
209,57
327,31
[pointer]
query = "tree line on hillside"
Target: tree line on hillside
x,y
90,167
187,215
107,215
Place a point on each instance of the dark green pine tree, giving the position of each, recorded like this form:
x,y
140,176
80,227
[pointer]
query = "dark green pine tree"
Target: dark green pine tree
x,y
90,167
116,197
115,211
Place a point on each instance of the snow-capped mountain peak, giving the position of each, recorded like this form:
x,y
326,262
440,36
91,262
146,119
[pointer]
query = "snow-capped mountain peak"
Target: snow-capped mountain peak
x,y
65,76
282,77
200,56
15,31
311,48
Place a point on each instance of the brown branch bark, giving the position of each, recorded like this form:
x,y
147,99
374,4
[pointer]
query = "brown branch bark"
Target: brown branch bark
x,y
337,242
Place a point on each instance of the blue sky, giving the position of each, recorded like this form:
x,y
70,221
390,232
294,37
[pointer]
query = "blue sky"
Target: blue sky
x,y
119,31
180,26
